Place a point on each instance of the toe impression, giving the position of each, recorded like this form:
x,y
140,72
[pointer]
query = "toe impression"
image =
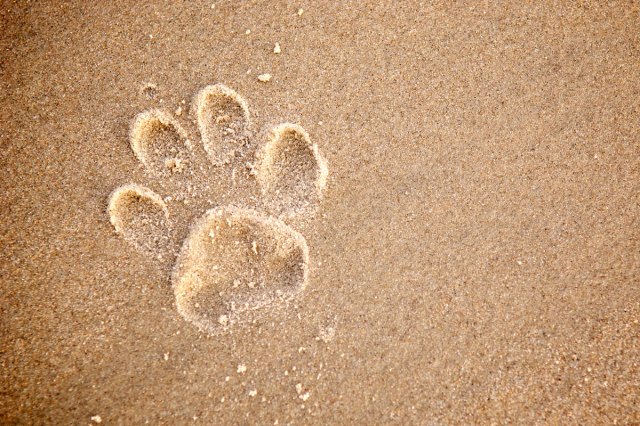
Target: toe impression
x,y
141,217
159,142
291,171
223,117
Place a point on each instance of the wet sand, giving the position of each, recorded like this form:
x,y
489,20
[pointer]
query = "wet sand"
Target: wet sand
x,y
475,258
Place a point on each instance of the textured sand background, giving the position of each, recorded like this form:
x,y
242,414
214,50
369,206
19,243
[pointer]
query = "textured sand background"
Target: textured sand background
x,y
476,258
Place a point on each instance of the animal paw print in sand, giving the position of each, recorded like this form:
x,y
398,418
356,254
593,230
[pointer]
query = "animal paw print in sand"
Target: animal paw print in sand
x,y
222,222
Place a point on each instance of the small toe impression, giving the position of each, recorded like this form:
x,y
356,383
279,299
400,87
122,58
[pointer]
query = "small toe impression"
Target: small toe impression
x,y
159,142
236,261
291,171
223,117
141,217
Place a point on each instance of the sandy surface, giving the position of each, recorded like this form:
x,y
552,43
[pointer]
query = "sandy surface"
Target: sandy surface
x,y
475,259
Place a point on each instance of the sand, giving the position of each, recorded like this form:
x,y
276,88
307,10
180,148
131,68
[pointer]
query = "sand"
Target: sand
x,y
474,257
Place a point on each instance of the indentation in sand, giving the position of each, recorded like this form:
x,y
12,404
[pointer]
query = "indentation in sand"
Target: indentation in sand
x,y
291,171
159,142
237,260
149,90
223,117
141,217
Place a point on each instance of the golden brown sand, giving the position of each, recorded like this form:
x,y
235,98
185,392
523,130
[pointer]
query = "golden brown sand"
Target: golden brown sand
x,y
474,257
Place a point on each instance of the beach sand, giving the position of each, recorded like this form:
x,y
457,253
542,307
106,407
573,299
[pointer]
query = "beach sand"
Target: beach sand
x,y
474,257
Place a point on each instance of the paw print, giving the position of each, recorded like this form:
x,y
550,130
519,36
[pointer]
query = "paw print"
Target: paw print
x,y
221,221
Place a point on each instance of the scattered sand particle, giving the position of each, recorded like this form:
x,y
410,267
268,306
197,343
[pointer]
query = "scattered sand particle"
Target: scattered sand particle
x,y
327,334
223,119
96,419
175,165
150,90
254,247
276,48
166,356
253,393
300,11
223,319
264,77
179,111
305,396
242,368
299,388
247,32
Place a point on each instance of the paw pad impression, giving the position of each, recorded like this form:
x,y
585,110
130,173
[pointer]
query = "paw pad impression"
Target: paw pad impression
x,y
235,260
